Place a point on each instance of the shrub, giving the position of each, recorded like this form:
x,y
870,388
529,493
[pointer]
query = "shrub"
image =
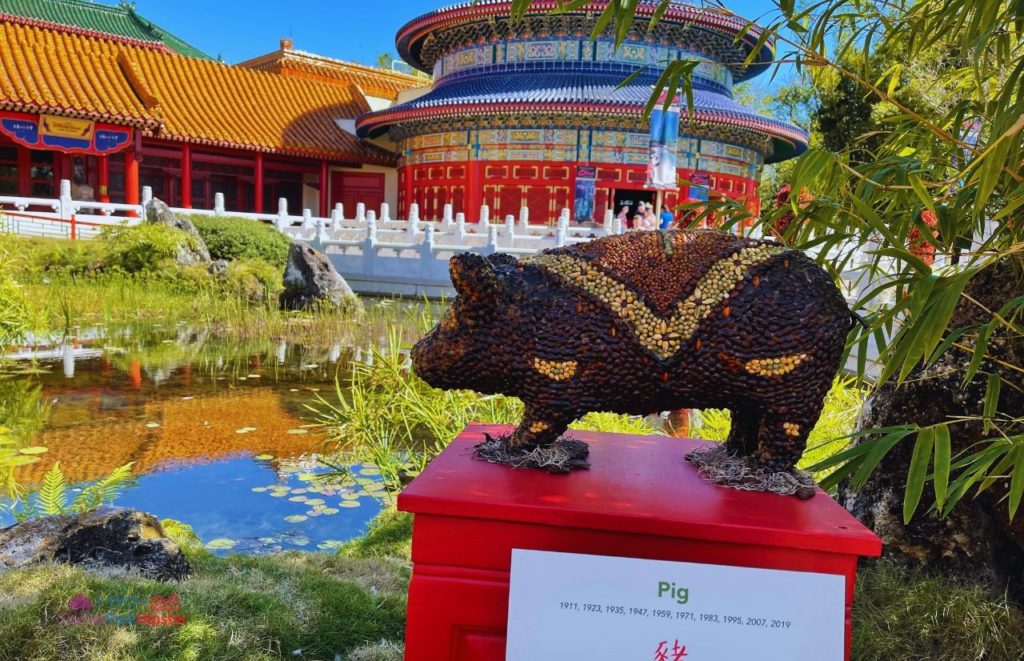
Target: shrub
x,y
145,247
241,238
255,281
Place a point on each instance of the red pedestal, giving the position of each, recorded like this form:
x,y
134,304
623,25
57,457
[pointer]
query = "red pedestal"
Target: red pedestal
x,y
640,499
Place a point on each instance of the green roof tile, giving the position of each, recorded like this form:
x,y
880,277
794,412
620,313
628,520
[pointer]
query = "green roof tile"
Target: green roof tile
x,y
116,20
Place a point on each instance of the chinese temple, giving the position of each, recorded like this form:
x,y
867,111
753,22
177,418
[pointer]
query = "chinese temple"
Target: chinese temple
x,y
533,113
99,95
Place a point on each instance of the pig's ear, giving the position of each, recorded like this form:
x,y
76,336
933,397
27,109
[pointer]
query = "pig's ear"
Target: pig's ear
x,y
473,276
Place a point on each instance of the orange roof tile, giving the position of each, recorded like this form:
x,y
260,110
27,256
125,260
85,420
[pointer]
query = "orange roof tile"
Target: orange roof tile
x,y
178,97
372,81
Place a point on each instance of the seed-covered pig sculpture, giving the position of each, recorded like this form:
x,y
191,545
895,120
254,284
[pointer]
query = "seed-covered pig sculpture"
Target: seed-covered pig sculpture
x,y
646,322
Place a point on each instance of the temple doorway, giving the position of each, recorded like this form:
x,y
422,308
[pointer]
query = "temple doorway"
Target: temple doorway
x,y
632,199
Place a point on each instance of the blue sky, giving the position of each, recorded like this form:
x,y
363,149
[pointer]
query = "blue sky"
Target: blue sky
x,y
354,30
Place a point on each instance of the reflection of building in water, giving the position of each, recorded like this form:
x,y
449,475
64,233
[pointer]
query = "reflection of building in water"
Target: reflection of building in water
x,y
90,441
520,110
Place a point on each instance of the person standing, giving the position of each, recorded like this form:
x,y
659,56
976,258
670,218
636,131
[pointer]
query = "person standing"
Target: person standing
x,y
666,219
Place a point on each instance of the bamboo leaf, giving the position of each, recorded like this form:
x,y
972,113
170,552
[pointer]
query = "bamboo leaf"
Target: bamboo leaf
x,y
943,456
991,403
918,472
1016,480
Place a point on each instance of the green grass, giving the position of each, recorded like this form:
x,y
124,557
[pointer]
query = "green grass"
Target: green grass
x,y
239,607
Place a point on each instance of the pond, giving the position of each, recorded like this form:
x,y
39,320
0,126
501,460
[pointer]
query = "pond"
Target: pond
x,y
217,430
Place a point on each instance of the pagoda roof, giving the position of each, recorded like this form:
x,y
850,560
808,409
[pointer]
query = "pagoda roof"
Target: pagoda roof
x,y
92,18
176,97
577,93
734,34
372,81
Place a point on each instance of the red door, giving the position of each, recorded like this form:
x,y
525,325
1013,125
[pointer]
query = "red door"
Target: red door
x,y
351,188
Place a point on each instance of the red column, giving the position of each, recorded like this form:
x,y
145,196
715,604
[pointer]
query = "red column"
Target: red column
x,y
323,188
407,183
24,171
103,179
474,197
257,202
186,176
131,177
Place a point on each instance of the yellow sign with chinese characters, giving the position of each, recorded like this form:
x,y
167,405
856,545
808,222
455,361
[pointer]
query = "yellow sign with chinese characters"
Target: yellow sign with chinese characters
x,y
66,127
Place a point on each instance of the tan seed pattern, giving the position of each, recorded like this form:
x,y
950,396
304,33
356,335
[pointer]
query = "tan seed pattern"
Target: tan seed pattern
x,y
662,337
556,370
774,366
792,429
538,427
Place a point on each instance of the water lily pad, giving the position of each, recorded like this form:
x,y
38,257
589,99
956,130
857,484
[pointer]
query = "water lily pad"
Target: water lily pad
x,y
298,431
38,449
300,541
300,491
314,512
264,457
327,511
295,518
245,430
267,540
307,477
260,489
370,471
278,494
330,545
350,496
221,544
349,503
297,499
315,501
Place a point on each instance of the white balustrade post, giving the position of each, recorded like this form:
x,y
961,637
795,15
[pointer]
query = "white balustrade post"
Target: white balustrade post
x,y
565,214
307,219
460,226
337,216
369,246
282,214
560,234
427,247
414,211
218,204
485,218
446,216
413,226
524,216
360,213
492,238
510,230
147,197
67,205
371,215
385,212
609,221
524,224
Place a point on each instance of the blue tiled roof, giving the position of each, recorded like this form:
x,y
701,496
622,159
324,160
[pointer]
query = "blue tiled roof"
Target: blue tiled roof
x,y
490,93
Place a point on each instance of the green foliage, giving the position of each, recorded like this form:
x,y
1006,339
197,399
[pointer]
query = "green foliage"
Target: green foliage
x,y
255,281
917,615
241,238
252,608
14,310
390,534
145,247
53,496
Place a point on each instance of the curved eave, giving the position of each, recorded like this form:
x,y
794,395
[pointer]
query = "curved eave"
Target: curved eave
x,y
410,37
788,141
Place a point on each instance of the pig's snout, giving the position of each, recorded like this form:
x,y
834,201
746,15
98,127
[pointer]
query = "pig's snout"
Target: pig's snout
x,y
437,362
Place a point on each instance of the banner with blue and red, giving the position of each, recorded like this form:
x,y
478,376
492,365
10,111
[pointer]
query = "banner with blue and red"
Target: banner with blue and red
x,y
70,135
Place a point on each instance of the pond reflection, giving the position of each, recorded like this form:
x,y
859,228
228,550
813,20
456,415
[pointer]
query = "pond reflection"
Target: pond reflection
x,y
215,428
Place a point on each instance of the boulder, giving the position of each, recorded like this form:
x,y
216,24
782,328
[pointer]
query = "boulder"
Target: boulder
x,y
107,538
310,278
190,254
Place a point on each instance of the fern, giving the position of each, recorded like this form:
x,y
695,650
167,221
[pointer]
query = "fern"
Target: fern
x,y
52,497
104,491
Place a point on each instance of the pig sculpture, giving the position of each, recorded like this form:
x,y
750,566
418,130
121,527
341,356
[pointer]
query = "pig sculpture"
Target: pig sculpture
x,y
646,322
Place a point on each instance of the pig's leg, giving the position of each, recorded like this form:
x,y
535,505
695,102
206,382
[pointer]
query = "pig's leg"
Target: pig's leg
x,y
743,434
783,433
539,427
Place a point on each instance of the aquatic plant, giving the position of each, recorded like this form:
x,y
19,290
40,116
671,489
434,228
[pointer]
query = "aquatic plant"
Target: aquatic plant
x,y
52,498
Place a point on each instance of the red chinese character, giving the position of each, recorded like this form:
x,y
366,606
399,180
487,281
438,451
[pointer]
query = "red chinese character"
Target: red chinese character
x,y
678,651
661,654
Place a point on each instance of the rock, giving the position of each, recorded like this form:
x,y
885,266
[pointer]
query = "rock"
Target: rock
x,y
977,539
195,251
105,538
310,278
217,266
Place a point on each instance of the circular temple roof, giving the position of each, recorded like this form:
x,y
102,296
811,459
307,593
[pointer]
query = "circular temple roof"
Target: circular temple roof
x,y
569,93
416,40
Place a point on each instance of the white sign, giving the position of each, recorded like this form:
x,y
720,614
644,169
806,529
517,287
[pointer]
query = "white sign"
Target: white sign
x,y
568,606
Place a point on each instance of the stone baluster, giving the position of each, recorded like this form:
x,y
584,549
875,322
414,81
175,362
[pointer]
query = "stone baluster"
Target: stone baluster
x,y
218,204
307,219
485,219
360,212
282,214
414,211
460,226
337,216
147,197
371,215
385,212
524,216
427,247
492,238
446,217
560,234
609,221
